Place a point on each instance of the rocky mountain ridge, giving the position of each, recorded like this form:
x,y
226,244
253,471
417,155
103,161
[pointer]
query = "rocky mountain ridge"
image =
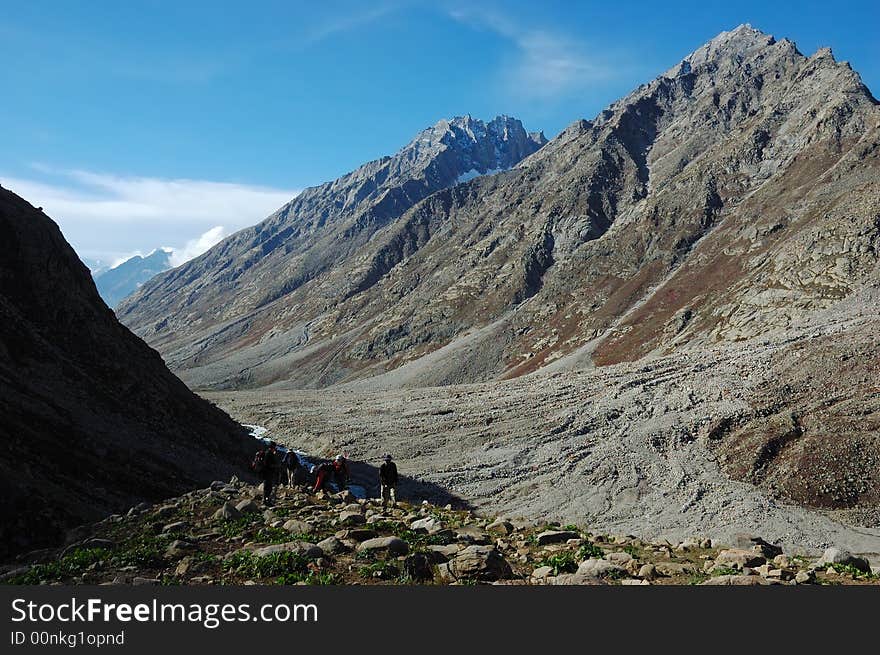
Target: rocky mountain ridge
x,y
91,420
717,203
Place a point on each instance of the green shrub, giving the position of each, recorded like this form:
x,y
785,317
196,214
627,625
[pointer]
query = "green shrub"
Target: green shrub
x,y
590,550
562,562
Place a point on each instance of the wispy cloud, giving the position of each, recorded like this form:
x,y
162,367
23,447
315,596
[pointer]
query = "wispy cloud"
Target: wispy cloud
x,y
548,63
108,216
347,22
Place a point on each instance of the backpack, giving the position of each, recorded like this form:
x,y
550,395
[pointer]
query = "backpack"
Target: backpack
x,y
259,463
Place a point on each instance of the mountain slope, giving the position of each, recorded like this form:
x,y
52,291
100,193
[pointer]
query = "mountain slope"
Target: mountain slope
x,y
91,420
216,295
719,202
122,280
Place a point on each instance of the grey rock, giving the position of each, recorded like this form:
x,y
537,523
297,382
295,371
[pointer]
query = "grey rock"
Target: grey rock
x,y
478,562
600,568
332,546
556,537
247,506
227,512
393,545
352,518
311,551
296,526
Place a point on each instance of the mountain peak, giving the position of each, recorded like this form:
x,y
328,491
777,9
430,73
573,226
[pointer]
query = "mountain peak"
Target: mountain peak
x,y
736,43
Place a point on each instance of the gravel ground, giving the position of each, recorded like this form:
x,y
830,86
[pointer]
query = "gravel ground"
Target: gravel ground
x,y
621,448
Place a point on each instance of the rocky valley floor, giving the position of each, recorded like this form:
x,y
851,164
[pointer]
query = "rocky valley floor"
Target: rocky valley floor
x,y
223,535
655,448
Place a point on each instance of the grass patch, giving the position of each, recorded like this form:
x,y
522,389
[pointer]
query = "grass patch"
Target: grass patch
x,y
590,550
385,569
849,569
285,565
143,551
72,564
270,535
563,562
237,527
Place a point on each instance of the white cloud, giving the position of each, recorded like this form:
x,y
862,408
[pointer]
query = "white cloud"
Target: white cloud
x,y
108,216
196,247
548,64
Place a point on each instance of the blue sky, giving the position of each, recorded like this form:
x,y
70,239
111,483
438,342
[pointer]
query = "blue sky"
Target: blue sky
x,y
146,124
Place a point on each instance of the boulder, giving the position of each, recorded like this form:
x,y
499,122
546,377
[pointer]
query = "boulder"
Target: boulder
x,y
247,506
392,545
177,526
227,512
427,525
357,534
332,546
352,518
739,558
844,557
745,541
542,572
619,557
472,534
500,526
178,547
164,512
647,572
295,526
782,561
556,537
480,562
440,554
600,568
804,577
312,551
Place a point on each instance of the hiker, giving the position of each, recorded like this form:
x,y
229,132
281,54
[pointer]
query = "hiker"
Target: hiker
x,y
340,472
266,464
388,482
322,476
289,465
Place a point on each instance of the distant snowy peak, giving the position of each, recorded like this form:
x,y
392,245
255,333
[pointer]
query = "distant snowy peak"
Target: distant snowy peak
x,y
124,279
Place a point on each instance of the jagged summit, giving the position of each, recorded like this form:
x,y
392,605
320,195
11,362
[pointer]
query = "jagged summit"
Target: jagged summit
x,y
483,146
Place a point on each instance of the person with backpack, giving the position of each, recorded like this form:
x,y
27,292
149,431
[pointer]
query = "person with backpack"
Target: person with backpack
x,y
289,465
323,473
388,482
340,472
266,465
